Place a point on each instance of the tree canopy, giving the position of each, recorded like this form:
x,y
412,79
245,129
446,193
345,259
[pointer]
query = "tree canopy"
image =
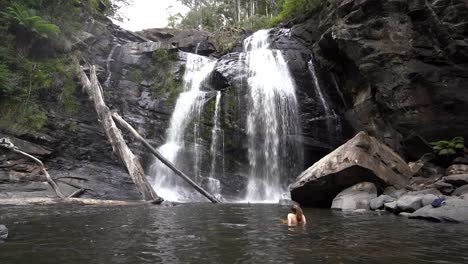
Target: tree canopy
x,y
213,15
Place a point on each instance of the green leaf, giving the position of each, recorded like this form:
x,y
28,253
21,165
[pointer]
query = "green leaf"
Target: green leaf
x,y
459,146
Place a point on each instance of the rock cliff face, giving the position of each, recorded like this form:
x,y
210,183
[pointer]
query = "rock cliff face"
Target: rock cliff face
x,y
402,66
141,79
395,69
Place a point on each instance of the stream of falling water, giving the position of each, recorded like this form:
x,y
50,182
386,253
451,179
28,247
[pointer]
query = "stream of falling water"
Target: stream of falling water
x,y
332,119
272,118
214,185
188,108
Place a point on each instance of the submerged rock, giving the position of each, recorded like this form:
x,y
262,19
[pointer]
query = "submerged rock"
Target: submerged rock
x,y
355,197
3,232
363,158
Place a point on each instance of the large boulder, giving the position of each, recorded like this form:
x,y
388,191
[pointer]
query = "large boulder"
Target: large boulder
x,y
355,197
361,159
454,210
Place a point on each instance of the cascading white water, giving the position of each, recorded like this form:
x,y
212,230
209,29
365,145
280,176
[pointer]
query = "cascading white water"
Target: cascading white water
x,y
214,185
188,107
108,63
272,117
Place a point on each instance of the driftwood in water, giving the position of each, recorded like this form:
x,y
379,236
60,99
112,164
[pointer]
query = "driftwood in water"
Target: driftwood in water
x,y
158,155
6,143
114,135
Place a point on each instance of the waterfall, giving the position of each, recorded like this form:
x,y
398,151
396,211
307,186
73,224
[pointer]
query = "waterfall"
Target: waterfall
x,y
271,120
214,185
333,120
108,62
188,108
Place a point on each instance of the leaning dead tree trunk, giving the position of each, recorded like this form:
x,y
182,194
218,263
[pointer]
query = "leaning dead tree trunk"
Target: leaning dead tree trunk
x,y
158,155
114,135
6,143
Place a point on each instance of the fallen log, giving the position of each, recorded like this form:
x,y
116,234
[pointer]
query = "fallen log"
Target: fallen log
x,y
78,201
159,156
6,143
77,193
94,90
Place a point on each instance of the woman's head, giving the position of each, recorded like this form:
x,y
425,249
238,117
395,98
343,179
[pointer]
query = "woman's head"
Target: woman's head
x,y
295,209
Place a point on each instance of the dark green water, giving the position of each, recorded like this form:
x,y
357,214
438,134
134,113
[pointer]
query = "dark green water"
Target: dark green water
x,y
206,233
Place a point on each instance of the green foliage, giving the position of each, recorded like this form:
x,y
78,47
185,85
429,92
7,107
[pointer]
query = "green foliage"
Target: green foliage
x,y
296,8
449,147
161,73
255,23
22,18
6,76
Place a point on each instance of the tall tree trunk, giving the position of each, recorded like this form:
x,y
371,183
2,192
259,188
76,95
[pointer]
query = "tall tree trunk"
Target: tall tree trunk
x,y
114,135
238,11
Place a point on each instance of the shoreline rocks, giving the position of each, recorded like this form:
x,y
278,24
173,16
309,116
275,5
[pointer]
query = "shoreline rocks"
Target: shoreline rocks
x,y
455,210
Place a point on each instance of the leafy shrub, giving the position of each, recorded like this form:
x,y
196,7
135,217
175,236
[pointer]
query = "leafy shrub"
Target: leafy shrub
x,y
449,147
297,8
26,19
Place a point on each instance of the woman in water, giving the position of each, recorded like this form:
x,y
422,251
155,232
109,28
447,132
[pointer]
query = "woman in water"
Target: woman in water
x,y
296,217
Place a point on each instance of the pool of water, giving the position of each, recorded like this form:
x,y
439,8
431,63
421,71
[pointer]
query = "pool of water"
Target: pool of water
x,y
227,233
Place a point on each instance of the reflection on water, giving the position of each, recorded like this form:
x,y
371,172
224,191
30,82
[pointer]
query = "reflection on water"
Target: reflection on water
x,y
207,233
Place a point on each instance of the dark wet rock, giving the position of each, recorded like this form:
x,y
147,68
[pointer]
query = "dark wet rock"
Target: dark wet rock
x,y
455,210
461,191
355,197
188,40
443,187
378,202
457,179
460,160
426,169
421,183
403,64
3,232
